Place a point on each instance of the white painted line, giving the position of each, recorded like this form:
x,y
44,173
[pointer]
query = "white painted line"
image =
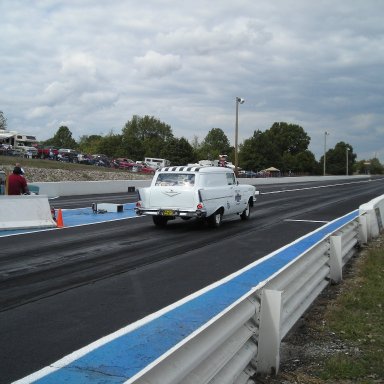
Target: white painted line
x,y
316,187
309,221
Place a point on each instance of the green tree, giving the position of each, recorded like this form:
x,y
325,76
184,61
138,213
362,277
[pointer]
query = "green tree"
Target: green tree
x,y
302,162
178,152
145,136
3,121
372,166
376,168
111,146
305,162
90,144
62,139
195,143
250,157
289,138
336,159
284,146
259,152
215,143
132,141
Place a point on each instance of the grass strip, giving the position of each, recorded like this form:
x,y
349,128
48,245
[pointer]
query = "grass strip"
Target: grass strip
x,y
356,317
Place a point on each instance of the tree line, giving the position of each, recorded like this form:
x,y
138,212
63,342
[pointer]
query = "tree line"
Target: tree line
x,y
283,146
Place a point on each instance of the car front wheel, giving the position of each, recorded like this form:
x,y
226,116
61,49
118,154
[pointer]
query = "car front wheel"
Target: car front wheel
x,y
246,213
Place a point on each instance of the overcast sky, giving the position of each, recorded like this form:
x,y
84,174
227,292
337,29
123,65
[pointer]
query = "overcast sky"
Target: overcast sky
x,y
91,65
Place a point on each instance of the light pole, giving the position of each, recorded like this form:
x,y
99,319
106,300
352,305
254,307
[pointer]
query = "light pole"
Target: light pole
x,y
239,100
346,151
325,149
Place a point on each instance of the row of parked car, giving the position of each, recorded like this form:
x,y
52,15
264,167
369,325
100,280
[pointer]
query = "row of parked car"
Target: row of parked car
x,y
100,160
251,174
73,156
133,166
39,152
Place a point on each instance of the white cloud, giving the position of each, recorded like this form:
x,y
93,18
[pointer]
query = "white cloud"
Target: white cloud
x,y
78,64
38,112
94,64
56,92
154,64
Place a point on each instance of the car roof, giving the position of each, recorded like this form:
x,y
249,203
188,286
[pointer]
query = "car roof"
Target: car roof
x,y
195,169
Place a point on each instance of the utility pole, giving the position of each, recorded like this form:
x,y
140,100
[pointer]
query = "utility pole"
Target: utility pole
x,y
325,149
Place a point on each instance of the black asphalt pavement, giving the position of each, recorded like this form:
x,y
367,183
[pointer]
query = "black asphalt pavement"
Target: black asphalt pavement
x,y
61,290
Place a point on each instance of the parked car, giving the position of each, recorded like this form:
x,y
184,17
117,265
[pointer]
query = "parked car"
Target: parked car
x,y
124,163
86,160
145,169
68,155
16,152
101,161
46,152
247,174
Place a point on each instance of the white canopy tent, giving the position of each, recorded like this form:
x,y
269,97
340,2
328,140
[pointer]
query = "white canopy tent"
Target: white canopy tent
x,y
272,169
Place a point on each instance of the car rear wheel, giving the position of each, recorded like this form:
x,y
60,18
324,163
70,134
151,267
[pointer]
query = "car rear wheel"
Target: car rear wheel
x,y
215,220
160,221
246,213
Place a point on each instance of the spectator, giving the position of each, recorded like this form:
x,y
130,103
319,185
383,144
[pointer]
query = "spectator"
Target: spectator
x,y
16,184
22,170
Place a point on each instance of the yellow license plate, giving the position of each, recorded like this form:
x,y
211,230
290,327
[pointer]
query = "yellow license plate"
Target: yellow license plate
x,y
168,212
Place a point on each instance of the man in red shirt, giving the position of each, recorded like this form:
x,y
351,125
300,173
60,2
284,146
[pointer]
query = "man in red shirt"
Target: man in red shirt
x,y
16,184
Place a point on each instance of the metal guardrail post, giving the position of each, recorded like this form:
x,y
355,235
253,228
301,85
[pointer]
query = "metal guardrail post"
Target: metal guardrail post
x,y
336,259
373,228
268,354
363,229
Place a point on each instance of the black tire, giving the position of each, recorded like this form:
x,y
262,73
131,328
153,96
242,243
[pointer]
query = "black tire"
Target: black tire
x,y
246,213
215,220
160,221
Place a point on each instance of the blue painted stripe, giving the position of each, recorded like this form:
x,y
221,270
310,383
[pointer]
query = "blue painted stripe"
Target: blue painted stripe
x,y
125,356
81,216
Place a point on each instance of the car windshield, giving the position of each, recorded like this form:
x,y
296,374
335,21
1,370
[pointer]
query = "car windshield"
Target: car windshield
x,y
173,179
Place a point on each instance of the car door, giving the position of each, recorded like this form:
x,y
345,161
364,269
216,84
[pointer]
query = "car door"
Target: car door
x,y
234,194
239,199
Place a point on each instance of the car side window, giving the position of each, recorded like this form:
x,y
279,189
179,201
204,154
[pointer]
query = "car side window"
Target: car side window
x,y
231,179
175,179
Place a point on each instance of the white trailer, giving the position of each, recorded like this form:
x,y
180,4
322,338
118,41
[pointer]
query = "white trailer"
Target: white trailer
x,y
156,163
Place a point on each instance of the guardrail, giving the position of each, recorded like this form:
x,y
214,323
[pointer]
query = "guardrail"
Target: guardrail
x,y
245,339
231,330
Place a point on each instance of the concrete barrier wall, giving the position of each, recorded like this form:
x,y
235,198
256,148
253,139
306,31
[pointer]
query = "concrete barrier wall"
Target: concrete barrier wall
x,y
71,188
298,179
372,215
25,211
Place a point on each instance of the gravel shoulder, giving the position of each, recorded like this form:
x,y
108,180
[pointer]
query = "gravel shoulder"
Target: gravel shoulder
x,y
38,175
